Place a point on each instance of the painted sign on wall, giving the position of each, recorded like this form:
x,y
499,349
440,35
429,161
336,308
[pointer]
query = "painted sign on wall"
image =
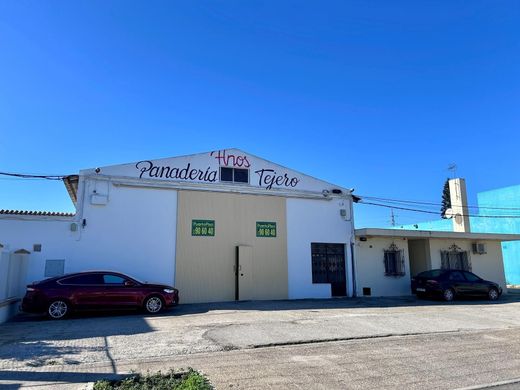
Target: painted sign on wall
x,y
202,227
265,177
214,168
266,229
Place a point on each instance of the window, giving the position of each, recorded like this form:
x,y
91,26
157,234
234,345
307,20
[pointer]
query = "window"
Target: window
x,y
431,274
54,268
89,279
455,258
234,175
394,261
456,276
113,279
328,263
471,277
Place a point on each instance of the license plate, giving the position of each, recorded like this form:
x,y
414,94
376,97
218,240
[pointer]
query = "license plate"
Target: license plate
x,y
420,289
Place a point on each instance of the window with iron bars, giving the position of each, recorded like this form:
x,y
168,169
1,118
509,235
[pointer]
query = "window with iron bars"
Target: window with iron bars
x,y
455,258
394,261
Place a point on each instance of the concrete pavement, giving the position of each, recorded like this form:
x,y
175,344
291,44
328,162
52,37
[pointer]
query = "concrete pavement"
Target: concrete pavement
x,y
221,339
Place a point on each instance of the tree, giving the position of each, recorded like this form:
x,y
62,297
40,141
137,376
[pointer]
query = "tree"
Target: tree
x,y
446,198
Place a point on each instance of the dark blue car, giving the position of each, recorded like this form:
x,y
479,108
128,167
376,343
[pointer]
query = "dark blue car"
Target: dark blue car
x,y
449,284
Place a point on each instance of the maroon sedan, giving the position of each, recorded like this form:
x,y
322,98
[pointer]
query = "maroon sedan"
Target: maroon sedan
x,y
96,290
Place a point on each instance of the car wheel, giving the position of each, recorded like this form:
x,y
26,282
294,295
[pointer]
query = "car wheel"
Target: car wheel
x,y
448,295
153,305
58,309
493,294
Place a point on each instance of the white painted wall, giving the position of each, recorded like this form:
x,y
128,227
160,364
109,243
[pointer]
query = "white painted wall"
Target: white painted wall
x,y
134,233
19,232
371,267
489,266
313,221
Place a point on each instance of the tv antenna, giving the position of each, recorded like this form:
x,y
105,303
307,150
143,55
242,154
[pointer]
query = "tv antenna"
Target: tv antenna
x,y
392,217
453,169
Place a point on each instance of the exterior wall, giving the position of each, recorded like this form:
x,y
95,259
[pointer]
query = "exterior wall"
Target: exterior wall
x,y
133,233
134,229
205,265
311,221
55,236
371,267
488,266
420,259
370,263
508,197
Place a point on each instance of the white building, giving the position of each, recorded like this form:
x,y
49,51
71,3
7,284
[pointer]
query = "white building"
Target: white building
x,y
220,226
192,221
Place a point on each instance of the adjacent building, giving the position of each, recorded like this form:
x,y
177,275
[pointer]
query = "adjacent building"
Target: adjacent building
x,y
498,212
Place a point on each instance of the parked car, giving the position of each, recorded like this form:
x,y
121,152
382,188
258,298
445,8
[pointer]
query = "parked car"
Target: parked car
x,y
449,284
96,290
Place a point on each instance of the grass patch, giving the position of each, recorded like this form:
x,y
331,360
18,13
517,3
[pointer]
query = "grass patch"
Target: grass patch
x,y
189,380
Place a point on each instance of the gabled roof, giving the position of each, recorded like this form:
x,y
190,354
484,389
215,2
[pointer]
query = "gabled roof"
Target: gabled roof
x,y
71,184
205,168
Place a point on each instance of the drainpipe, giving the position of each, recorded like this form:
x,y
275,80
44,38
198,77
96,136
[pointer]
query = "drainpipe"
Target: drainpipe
x,y
352,245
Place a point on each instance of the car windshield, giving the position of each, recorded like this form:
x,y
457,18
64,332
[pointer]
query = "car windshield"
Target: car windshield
x,y
435,273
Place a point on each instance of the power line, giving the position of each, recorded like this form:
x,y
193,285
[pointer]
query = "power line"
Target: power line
x,y
402,201
436,213
29,176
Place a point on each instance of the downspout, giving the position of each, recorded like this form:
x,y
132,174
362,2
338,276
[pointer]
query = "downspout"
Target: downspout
x,y
352,244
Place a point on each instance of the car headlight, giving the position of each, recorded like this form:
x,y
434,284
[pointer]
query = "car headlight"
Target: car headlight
x,y
169,290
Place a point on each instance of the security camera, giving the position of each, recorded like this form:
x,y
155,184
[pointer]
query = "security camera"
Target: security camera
x,y
97,170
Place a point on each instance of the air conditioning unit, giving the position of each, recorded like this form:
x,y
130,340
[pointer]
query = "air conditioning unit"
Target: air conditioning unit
x,y
479,248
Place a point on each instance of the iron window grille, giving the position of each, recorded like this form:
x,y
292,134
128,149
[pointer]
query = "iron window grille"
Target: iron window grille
x,y
394,261
455,258
328,263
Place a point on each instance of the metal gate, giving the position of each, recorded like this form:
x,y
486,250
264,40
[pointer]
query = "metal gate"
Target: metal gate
x,y
328,266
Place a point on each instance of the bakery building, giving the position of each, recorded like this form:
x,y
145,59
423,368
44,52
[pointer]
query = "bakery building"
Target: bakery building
x,y
220,226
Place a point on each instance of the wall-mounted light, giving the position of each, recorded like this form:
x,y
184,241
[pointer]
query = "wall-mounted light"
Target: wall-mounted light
x,y
84,223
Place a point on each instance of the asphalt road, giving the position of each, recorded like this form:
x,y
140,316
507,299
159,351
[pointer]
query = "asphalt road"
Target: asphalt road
x,y
344,344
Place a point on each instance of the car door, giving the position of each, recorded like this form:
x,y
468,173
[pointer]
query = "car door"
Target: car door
x,y
476,286
457,282
84,291
120,291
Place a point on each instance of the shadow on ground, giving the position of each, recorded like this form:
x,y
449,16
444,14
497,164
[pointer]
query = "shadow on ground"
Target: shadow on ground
x,y
277,305
330,304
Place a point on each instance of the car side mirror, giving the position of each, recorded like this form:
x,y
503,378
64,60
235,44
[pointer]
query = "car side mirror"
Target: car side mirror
x,y
129,283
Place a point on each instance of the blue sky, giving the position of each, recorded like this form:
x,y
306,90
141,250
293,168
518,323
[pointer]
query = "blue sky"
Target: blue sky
x,y
376,95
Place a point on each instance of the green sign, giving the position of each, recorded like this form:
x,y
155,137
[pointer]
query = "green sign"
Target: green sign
x,y
202,227
266,229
